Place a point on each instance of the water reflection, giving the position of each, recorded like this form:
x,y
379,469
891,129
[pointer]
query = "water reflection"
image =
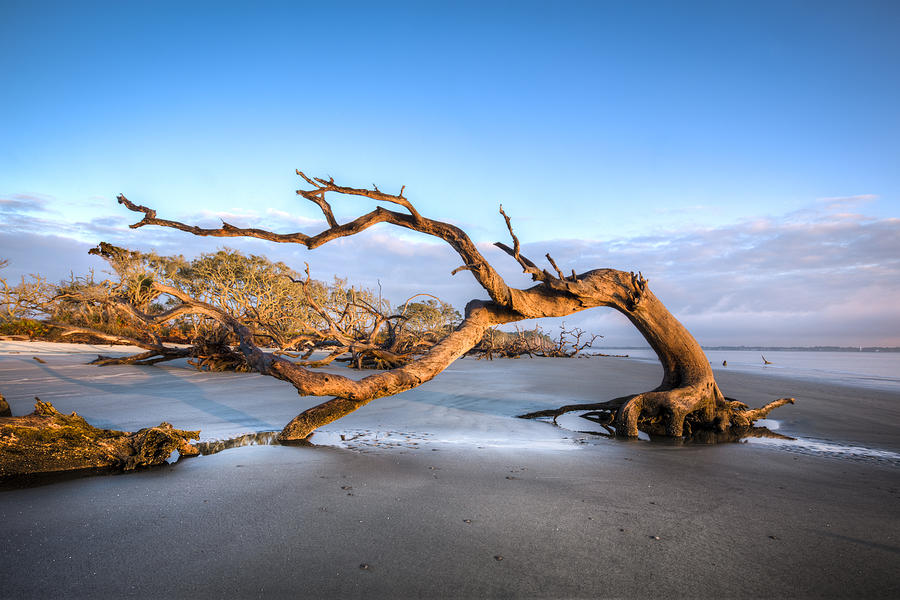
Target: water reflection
x,y
730,436
601,427
762,434
261,438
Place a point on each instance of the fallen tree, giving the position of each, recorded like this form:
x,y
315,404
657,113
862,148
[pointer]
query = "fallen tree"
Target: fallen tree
x,y
47,441
688,398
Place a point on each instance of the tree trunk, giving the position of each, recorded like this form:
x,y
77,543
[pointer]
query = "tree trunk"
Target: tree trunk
x,y
688,393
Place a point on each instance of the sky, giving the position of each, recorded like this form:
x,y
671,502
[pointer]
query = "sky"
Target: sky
x,y
742,155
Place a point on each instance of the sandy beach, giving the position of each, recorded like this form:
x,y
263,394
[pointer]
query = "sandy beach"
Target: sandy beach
x,y
440,492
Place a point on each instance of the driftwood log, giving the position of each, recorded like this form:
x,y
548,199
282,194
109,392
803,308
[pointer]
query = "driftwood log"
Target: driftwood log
x,y
687,398
47,441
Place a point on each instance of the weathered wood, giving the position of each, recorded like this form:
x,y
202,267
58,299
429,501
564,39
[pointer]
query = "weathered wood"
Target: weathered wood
x,y
47,441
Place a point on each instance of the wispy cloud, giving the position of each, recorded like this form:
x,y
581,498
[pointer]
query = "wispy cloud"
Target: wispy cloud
x,y
281,218
805,276
14,205
844,203
826,274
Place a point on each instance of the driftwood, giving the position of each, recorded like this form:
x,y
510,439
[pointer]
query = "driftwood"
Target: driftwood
x,y
208,352
533,342
362,333
47,441
688,394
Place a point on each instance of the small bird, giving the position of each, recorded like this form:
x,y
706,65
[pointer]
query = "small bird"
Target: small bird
x,y
724,363
765,362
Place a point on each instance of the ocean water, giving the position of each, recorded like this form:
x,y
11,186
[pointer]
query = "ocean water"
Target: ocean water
x,y
874,370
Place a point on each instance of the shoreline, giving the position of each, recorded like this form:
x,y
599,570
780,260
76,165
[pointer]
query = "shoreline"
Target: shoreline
x,y
216,402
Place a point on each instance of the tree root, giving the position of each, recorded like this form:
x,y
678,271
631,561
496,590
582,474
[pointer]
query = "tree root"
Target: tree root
x,y
671,413
608,407
150,357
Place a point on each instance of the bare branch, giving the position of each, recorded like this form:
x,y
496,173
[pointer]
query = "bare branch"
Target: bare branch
x,y
463,268
526,264
321,186
558,272
486,275
226,230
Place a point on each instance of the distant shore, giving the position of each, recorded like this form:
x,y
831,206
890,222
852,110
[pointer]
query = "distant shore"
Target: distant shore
x,y
774,348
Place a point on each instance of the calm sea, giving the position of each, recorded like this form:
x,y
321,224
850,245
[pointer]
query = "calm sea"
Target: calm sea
x,y
879,370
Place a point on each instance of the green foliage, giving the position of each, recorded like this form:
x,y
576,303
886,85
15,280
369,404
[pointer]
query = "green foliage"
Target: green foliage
x,y
27,327
432,315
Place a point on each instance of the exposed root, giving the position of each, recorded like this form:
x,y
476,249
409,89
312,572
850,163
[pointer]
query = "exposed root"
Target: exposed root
x,y
673,413
610,405
212,352
746,417
150,357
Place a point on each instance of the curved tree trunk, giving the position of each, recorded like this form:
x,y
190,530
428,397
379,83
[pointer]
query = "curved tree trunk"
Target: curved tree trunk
x,y
688,385
688,393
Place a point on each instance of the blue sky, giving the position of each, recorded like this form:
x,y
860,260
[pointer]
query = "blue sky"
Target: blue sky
x,y
743,154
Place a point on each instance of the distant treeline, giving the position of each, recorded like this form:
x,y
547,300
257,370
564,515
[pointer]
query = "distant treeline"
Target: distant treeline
x,y
808,348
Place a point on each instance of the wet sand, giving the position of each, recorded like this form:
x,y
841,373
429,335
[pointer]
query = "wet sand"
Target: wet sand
x,y
438,493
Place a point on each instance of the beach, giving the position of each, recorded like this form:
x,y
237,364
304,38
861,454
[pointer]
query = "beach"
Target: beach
x,y
441,492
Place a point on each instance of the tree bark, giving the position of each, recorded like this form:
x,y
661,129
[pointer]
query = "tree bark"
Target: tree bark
x,y
688,391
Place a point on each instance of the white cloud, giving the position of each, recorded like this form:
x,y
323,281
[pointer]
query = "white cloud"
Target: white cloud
x,y
797,280
843,203
822,275
281,219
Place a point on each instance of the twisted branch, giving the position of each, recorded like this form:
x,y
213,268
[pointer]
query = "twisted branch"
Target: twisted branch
x,y
483,272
